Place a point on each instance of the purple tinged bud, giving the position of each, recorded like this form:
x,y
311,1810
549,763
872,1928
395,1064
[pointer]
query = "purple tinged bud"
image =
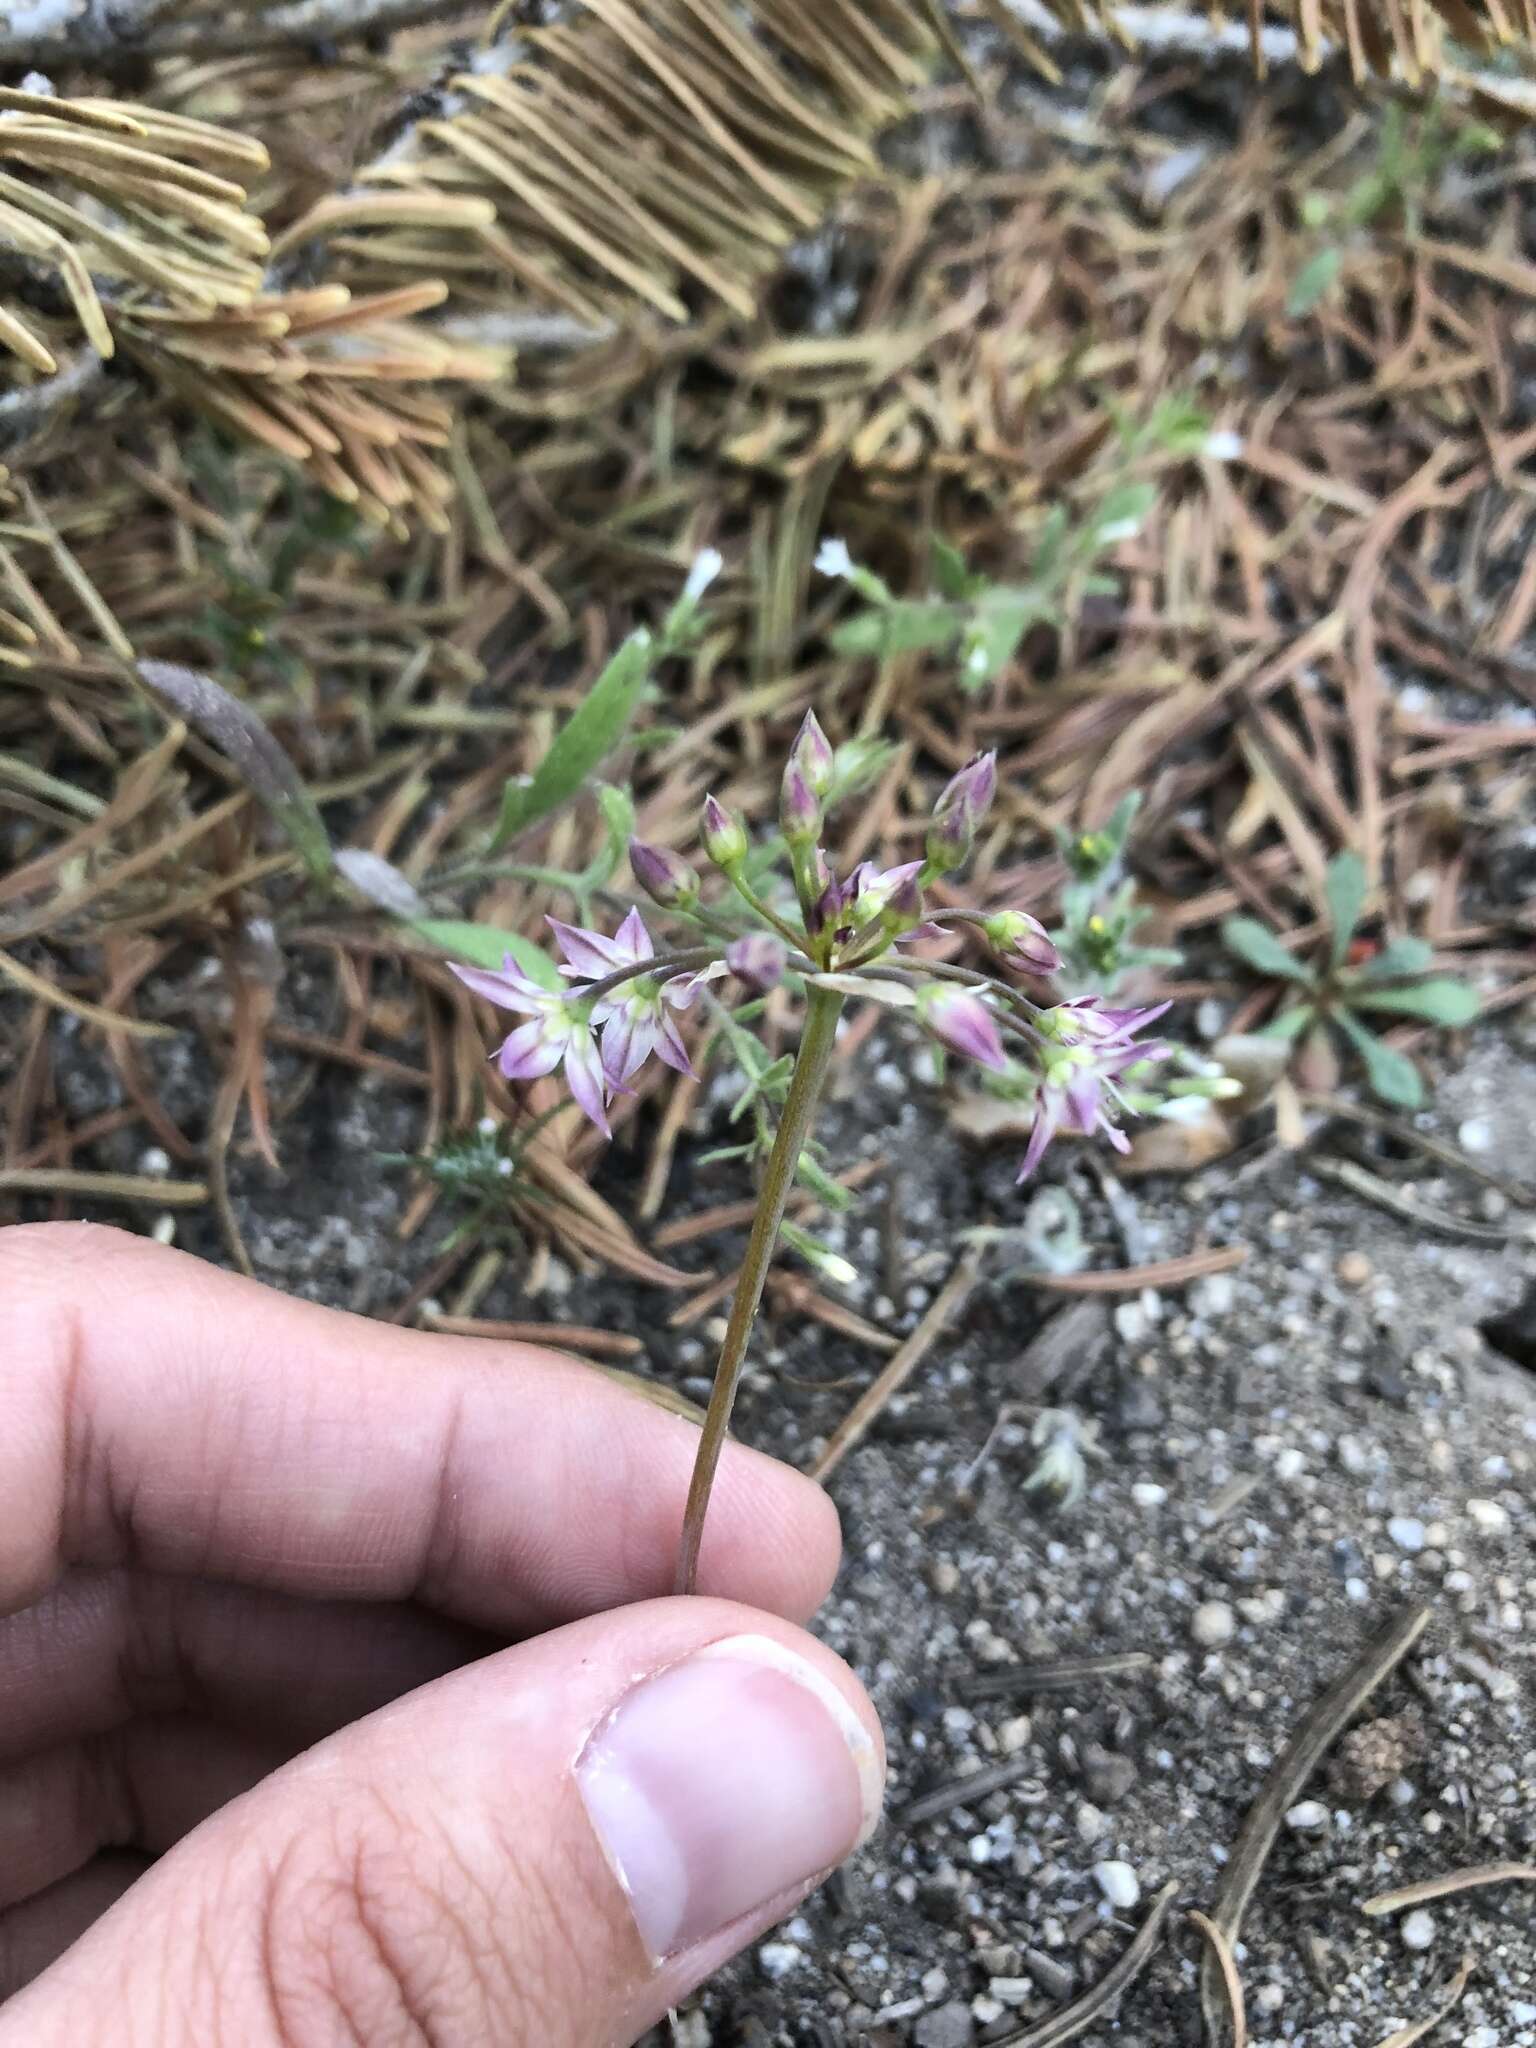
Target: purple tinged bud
x,y
812,755
664,876
974,788
963,1022
950,837
725,837
1021,942
904,905
800,811
758,959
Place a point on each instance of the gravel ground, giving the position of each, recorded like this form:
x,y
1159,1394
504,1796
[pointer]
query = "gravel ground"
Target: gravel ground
x,y
1278,1458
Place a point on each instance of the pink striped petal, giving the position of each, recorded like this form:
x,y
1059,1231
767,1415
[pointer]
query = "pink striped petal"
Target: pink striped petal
x,y
589,953
531,1050
508,990
584,1077
633,940
670,1047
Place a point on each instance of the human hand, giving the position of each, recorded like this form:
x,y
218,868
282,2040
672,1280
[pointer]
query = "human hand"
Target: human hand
x,y
328,1618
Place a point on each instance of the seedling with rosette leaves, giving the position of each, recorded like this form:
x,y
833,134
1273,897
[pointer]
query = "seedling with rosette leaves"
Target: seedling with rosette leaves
x,y
1348,982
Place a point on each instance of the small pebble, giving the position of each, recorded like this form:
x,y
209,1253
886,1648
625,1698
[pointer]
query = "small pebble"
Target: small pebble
x,y
1212,1624
1119,1884
1489,1514
1014,1735
1407,1532
777,1958
1148,1494
947,2026
1475,1135
1418,1930
1354,1269
1307,1816
1090,1823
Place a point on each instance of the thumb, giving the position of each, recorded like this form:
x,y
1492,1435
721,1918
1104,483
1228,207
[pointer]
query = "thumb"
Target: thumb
x,y
551,1846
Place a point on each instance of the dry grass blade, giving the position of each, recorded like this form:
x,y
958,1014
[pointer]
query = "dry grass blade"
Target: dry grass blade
x,y
111,1187
110,196
1131,1279
335,383
856,1424
1226,1962
1083,2012
1417,2030
1474,1878
613,159
88,1013
1310,1742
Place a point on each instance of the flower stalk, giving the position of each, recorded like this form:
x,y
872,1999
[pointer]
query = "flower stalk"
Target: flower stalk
x,y
822,1009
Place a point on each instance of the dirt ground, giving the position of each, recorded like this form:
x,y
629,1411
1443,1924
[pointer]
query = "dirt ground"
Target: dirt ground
x,y
1280,1457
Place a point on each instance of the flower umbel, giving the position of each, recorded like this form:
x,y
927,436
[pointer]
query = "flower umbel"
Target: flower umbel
x,y
1085,1051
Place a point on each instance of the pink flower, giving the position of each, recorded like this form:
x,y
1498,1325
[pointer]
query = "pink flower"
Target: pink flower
x,y
963,1022
559,1032
634,1017
1087,1049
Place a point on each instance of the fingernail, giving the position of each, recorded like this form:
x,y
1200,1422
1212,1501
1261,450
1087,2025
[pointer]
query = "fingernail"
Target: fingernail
x,y
724,1782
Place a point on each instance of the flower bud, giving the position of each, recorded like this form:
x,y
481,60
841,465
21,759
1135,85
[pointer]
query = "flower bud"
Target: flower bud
x,y
664,876
724,836
1021,942
812,755
800,812
707,565
962,1021
833,559
950,838
757,958
974,787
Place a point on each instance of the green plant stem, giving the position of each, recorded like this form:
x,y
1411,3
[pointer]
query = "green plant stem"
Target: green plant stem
x,y
822,1009
749,895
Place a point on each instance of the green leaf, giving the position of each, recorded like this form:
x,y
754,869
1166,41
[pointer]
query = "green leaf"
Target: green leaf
x,y
1002,619
814,1176
1441,1001
242,737
618,811
1256,944
591,732
1312,282
1344,887
906,627
950,573
1290,1023
482,945
1121,819
1122,512
1393,1078
1398,958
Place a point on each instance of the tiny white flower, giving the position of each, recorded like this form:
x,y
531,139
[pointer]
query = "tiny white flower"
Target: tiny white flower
x,y
1224,446
707,565
976,661
833,559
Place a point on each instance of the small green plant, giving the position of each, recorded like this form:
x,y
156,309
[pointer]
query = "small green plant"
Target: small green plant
x,y
1101,907
981,623
481,1172
1412,152
1352,976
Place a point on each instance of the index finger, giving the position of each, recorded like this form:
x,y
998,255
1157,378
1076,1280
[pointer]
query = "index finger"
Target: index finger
x,y
163,1413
